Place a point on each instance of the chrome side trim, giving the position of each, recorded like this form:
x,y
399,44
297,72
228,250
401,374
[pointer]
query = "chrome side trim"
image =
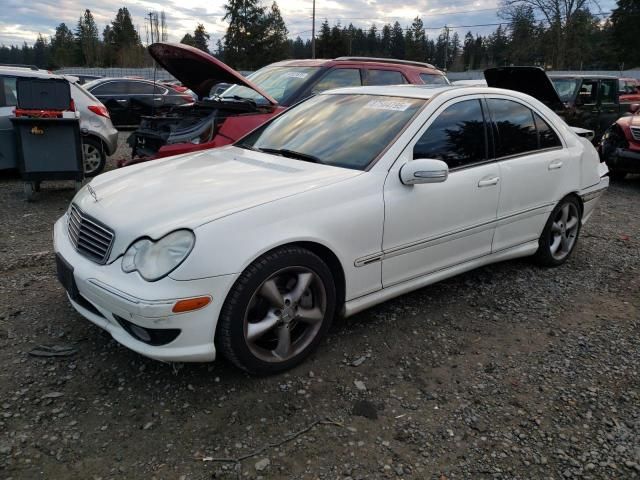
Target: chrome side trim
x,y
454,235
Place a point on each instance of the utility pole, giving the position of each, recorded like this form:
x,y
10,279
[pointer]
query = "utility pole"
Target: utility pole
x,y
313,31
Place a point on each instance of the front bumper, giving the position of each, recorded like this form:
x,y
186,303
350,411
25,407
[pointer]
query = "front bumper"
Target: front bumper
x,y
625,160
106,293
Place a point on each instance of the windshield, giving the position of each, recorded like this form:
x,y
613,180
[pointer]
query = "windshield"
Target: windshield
x,y
341,130
566,88
278,82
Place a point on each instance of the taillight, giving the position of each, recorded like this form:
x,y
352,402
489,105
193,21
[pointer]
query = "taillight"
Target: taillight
x,y
187,97
100,110
72,105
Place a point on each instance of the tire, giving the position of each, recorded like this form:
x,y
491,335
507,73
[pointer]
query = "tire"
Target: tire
x,y
288,293
616,175
29,189
94,158
560,234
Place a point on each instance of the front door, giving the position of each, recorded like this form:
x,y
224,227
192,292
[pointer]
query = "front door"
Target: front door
x,y
430,227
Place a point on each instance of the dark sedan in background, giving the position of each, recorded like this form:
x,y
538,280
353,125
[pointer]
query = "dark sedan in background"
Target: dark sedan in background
x,y
129,99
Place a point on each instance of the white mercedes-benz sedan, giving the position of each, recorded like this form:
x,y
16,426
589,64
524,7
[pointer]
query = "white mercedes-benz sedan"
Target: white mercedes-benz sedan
x,y
348,199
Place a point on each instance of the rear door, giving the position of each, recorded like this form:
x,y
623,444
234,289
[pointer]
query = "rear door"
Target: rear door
x,y
8,100
535,170
609,107
114,95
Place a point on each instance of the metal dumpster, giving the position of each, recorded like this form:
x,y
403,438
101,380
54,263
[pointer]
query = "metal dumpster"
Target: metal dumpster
x,y
47,132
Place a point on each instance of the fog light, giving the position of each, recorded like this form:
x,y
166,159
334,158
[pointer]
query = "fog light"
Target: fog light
x,y
190,304
141,333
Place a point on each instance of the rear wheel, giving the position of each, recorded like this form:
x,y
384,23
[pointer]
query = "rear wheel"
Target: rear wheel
x,y
560,233
277,311
94,156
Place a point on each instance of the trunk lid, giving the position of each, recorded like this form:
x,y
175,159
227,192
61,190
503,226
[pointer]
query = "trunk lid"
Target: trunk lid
x,y
530,80
198,70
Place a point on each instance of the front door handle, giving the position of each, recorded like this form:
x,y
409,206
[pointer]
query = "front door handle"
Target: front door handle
x,y
555,165
121,100
487,182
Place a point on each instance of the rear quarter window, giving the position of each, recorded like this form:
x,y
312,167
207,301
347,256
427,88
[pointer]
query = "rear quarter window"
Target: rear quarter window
x,y
8,95
384,77
433,79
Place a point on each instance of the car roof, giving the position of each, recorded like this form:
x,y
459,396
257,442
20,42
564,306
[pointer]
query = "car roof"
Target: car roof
x,y
605,77
380,62
418,91
27,72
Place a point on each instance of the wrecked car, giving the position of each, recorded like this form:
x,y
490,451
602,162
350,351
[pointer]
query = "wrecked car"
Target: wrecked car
x,y
218,119
620,145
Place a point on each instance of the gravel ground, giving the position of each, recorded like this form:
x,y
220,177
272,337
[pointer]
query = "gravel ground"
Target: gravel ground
x,y
506,372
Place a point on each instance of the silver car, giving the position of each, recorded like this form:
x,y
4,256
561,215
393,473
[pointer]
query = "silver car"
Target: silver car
x,y
99,137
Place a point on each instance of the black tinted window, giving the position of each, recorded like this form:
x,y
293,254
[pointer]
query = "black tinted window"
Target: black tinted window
x,y
457,136
338,78
433,79
384,77
8,95
143,88
608,91
546,136
516,128
110,88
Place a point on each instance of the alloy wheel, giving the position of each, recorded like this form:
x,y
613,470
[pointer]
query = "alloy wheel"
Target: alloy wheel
x,y
92,158
564,231
285,314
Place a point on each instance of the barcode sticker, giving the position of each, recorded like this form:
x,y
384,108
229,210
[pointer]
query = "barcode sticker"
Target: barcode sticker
x,y
393,105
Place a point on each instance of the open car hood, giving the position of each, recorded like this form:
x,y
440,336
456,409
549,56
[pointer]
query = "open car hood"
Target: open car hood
x,y
197,70
530,80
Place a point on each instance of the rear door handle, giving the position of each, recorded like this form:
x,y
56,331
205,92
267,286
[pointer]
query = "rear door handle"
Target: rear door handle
x,y
555,165
121,100
157,99
487,182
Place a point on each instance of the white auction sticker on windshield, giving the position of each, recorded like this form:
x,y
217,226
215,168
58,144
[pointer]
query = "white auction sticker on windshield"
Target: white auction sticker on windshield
x,y
295,74
393,105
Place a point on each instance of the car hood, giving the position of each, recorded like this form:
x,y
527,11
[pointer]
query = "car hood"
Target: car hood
x,y
530,80
154,198
197,70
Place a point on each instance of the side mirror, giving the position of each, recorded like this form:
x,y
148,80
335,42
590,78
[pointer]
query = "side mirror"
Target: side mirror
x,y
424,170
634,107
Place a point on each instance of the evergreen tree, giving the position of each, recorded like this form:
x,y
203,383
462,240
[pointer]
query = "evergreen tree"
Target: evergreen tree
x,y
416,47
201,38
397,41
87,38
41,52
63,47
624,20
188,40
245,33
275,44
124,40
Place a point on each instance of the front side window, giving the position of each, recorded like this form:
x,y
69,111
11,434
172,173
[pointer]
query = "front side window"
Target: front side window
x,y
339,78
278,82
8,92
384,77
341,130
516,128
433,79
457,136
608,91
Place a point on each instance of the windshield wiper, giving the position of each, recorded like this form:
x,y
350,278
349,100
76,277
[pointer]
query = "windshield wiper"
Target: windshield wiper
x,y
285,152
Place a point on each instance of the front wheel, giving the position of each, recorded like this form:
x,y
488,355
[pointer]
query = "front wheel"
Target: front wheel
x,y
560,233
277,311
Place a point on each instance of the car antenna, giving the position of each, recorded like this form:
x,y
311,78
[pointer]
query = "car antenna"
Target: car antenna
x,y
153,103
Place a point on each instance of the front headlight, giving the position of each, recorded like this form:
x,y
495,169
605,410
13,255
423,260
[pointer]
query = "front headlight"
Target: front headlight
x,y
154,260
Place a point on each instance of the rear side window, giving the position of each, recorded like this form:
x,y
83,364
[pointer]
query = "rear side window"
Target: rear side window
x,y
8,95
142,88
516,128
433,79
111,88
338,78
608,90
547,138
384,77
457,136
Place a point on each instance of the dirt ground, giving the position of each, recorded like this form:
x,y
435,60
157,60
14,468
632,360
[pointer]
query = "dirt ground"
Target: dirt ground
x,y
507,372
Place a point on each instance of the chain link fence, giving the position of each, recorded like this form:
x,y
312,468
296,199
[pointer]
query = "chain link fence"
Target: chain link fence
x,y
147,73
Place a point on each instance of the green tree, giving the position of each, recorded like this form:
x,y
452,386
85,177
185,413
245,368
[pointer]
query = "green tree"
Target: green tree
x,y
87,38
201,38
416,41
624,21
63,47
396,45
125,41
188,40
275,44
244,37
41,52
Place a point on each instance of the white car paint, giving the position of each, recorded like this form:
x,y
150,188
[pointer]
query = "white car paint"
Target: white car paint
x,y
389,238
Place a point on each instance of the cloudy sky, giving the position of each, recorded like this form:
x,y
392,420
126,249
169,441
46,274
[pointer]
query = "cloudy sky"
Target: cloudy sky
x,y
23,20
